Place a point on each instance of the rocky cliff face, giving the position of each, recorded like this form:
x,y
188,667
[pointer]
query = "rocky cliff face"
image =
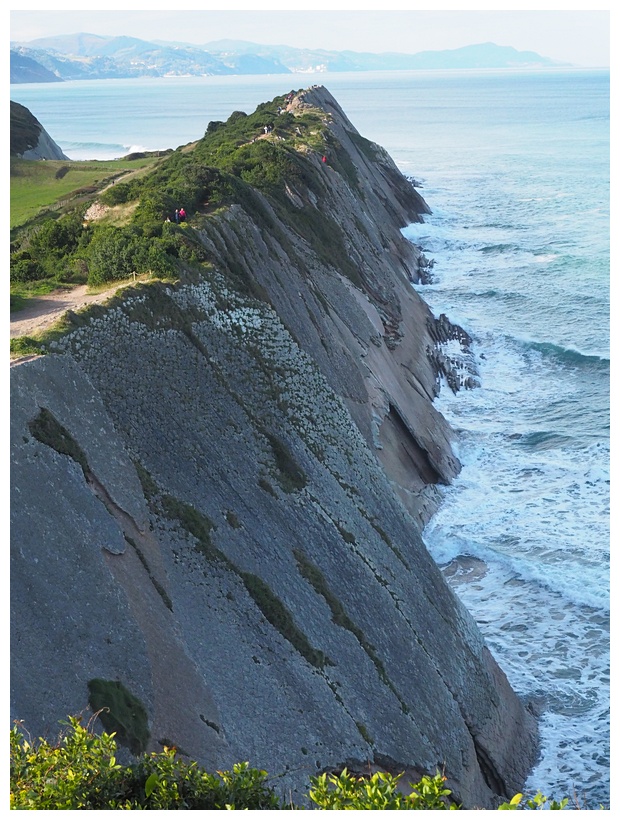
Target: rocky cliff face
x,y
218,490
29,140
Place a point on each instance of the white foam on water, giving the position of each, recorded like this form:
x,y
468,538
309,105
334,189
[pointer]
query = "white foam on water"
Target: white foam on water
x,y
523,533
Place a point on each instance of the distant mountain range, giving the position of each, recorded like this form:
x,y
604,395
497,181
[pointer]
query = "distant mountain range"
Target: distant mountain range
x,y
92,57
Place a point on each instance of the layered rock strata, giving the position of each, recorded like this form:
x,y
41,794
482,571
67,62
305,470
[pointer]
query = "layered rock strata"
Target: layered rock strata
x,y
218,490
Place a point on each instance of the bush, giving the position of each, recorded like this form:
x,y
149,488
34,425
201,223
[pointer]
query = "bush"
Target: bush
x,y
24,268
57,237
47,252
118,194
381,791
116,253
79,771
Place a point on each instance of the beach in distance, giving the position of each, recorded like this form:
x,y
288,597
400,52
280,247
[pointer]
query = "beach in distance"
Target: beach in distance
x,y
514,166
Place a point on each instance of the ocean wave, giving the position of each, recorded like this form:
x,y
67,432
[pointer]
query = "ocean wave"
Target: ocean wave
x,y
509,296
544,440
569,356
95,146
101,150
543,258
547,580
500,248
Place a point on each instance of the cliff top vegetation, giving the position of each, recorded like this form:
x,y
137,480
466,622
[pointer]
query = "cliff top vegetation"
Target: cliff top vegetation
x,y
96,223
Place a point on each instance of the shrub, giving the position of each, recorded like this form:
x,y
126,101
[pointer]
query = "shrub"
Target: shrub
x,y
536,802
57,237
109,255
117,194
381,791
25,269
79,771
47,252
116,253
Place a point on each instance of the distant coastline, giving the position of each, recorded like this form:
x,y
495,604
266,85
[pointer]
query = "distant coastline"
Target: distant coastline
x,y
87,56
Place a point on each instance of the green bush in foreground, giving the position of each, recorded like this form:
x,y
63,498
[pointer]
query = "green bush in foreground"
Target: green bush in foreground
x,y
380,791
79,771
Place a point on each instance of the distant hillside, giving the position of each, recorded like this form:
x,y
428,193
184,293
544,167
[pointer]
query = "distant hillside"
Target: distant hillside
x,y
486,55
27,70
89,56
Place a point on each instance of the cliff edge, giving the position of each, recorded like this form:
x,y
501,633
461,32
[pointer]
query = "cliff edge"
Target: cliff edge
x,y
29,140
218,490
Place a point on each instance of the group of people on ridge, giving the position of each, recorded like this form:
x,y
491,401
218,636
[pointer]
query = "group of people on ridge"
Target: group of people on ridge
x,y
179,216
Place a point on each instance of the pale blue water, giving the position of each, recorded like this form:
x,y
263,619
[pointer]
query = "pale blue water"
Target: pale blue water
x,y
515,167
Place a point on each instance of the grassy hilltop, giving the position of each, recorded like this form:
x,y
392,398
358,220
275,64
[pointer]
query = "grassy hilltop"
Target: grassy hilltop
x,y
56,241
100,222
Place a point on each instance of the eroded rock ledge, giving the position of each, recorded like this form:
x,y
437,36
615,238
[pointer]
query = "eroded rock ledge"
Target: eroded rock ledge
x,y
218,490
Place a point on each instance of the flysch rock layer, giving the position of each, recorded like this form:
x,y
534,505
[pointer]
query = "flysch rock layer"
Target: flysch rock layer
x,y
298,430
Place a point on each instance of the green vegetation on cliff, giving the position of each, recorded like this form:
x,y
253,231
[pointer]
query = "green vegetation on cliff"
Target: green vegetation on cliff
x,y
79,770
71,225
43,190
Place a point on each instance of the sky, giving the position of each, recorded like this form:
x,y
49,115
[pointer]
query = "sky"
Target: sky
x,y
579,37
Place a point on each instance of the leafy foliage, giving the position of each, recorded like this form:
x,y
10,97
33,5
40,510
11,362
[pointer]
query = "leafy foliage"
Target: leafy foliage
x,y
247,153
79,770
380,791
536,802
115,253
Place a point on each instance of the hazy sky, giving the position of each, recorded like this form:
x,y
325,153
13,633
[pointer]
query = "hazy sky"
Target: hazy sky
x,y
578,37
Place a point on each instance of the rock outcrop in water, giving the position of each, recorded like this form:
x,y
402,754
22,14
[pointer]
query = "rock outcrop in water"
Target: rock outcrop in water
x,y
218,490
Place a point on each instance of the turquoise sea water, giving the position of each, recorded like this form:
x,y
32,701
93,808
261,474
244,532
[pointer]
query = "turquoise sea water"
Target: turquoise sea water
x,y
515,168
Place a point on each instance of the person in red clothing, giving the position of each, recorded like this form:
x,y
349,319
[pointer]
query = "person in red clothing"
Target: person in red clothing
x,y
182,215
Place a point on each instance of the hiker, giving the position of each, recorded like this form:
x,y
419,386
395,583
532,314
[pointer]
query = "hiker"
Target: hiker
x,y
182,215
176,216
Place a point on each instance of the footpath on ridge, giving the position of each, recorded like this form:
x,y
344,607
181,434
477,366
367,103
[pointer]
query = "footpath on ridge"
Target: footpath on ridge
x,y
40,313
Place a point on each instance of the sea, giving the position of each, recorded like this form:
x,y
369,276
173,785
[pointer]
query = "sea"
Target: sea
x,y
515,167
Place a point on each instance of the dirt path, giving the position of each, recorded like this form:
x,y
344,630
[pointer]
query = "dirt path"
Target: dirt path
x,y
40,313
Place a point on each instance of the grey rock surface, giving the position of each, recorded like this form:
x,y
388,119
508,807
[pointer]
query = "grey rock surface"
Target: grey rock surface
x,y
45,148
240,542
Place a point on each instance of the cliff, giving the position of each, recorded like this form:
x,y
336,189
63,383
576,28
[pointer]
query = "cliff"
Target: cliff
x,y
29,140
218,490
